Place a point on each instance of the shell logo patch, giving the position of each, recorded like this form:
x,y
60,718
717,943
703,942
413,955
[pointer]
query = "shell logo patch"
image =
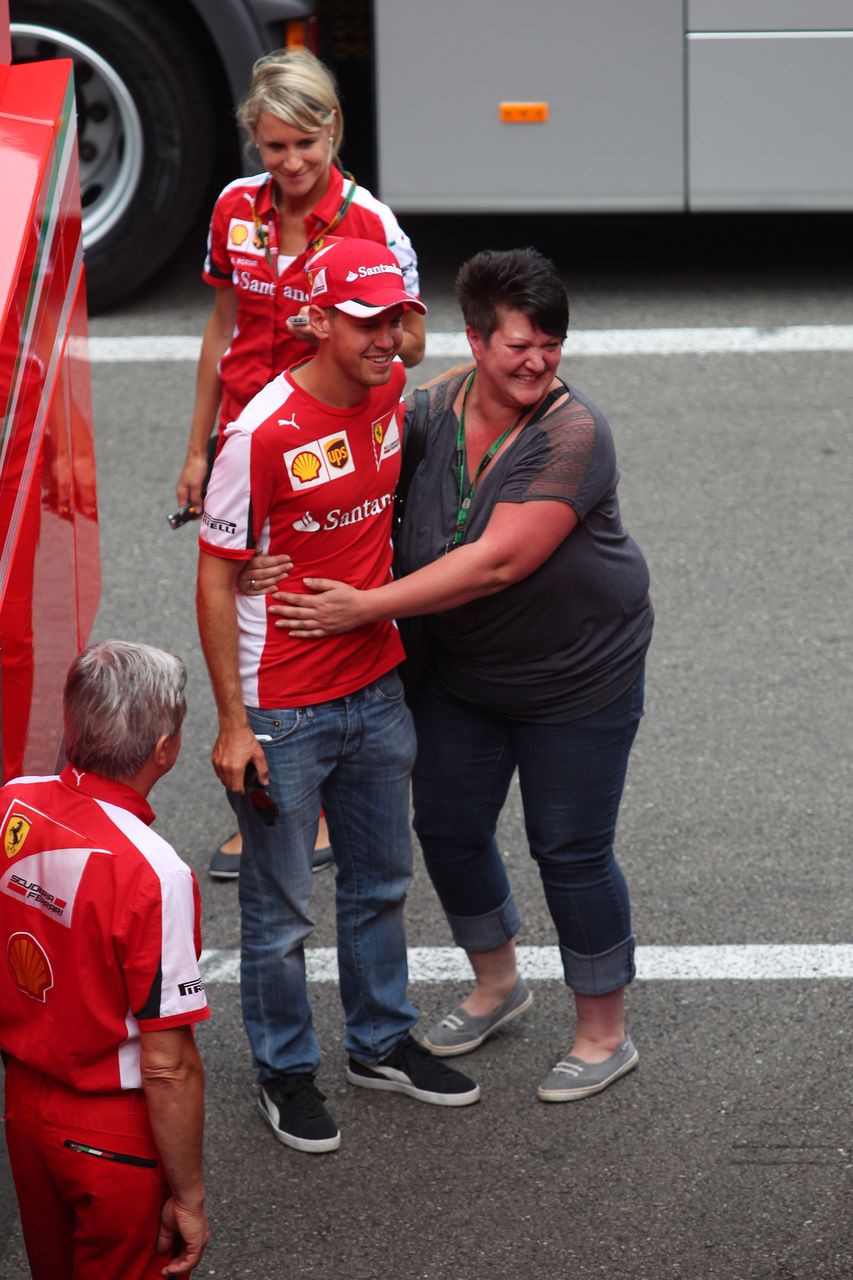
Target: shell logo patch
x,y
16,832
29,965
305,466
242,235
319,462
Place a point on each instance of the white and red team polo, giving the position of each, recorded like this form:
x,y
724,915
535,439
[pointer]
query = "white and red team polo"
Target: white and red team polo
x,y
99,930
295,475
243,254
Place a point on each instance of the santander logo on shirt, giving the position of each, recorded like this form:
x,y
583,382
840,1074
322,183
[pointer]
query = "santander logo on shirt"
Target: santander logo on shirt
x,y
337,518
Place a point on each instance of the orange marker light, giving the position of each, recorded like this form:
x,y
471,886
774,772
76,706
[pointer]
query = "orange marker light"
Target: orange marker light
x,y
295,38
301,34
523,112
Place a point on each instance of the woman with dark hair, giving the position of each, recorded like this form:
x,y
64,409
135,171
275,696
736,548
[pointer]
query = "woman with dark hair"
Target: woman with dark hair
x,y
538,617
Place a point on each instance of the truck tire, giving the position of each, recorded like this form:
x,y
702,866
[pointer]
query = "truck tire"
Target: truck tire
x,y
145,125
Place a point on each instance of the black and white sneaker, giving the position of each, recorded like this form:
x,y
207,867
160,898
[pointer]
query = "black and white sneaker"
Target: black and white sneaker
x,y
411,1069
292,1105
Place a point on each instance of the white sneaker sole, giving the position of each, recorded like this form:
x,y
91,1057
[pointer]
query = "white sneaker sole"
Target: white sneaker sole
x,y
412,1091
315,1146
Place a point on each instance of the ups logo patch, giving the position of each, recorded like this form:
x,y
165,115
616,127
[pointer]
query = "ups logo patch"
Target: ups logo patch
x,y
337,452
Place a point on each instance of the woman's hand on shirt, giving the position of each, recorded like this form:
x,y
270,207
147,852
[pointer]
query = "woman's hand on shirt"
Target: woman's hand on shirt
x,y
517,540
334,607
262,574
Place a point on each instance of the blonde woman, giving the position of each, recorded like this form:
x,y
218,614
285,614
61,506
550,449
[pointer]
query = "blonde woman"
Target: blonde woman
x,y
262,232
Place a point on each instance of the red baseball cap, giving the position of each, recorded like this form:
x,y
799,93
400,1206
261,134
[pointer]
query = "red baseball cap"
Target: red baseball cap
x,y
359,277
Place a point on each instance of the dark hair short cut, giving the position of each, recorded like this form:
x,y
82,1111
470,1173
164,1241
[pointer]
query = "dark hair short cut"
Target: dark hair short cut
x,y
517,279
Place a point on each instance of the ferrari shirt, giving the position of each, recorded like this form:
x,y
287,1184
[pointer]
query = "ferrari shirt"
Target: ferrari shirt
x,y
298,476
243,254
99,930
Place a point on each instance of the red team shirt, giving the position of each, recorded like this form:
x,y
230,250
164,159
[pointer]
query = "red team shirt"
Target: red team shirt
x,y
243,254
298,476
99,930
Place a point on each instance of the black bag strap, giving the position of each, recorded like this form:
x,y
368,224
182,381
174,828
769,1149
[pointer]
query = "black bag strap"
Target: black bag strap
x,y
414,441
551,399
414,448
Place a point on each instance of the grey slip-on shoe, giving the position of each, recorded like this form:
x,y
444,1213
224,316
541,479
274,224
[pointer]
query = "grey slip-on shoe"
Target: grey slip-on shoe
x,y
572,1078
460,1032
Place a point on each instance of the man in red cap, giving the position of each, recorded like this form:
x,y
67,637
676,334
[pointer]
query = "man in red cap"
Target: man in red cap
x,y
309,469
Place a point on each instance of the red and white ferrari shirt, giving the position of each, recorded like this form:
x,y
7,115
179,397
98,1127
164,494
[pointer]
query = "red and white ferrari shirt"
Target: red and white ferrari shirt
x,y
298,476
99,930
243,254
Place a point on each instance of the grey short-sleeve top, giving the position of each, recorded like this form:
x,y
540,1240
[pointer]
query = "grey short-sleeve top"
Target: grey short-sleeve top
x,y
569,638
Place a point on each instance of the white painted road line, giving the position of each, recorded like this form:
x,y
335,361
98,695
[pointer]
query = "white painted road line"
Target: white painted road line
x,y
542,964
742,340
679,342
160,348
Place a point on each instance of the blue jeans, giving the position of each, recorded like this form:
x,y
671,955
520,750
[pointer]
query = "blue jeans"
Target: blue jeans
x,y
571,778
354,757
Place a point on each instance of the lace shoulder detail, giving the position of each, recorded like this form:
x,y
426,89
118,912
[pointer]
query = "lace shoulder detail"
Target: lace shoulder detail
x,y
569,435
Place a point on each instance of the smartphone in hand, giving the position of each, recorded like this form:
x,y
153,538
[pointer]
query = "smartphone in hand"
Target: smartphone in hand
x,y
189,511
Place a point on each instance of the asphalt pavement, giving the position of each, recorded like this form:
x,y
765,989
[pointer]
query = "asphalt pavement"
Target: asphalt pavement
x,y
729,1152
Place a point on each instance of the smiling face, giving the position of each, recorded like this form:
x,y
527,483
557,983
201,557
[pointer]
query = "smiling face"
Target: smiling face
x,y
355,353
298,162
517,362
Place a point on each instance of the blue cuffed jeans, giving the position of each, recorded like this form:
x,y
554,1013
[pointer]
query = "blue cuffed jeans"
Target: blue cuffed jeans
x,y
571,778
354,757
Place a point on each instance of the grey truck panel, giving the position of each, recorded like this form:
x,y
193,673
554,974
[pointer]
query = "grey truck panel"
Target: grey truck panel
x,y
611,73
769,120
769,15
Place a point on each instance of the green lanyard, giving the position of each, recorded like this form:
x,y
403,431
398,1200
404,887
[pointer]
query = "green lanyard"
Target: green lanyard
x,y
465,500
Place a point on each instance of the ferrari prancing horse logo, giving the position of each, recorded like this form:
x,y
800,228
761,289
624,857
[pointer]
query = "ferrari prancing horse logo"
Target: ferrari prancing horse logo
x,y
386,438
17,830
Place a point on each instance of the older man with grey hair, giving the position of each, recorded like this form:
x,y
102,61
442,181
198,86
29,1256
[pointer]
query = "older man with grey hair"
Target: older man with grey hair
x,y
99,924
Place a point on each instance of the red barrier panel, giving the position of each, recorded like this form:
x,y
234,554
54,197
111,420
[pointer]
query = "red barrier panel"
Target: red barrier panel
x,y
49,559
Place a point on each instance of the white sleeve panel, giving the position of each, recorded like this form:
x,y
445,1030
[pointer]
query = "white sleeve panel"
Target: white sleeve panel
x,y
129,1066
226,519
237,498
181,987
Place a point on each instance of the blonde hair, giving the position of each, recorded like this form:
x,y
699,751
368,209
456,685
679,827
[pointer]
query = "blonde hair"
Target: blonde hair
x,y
297,88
